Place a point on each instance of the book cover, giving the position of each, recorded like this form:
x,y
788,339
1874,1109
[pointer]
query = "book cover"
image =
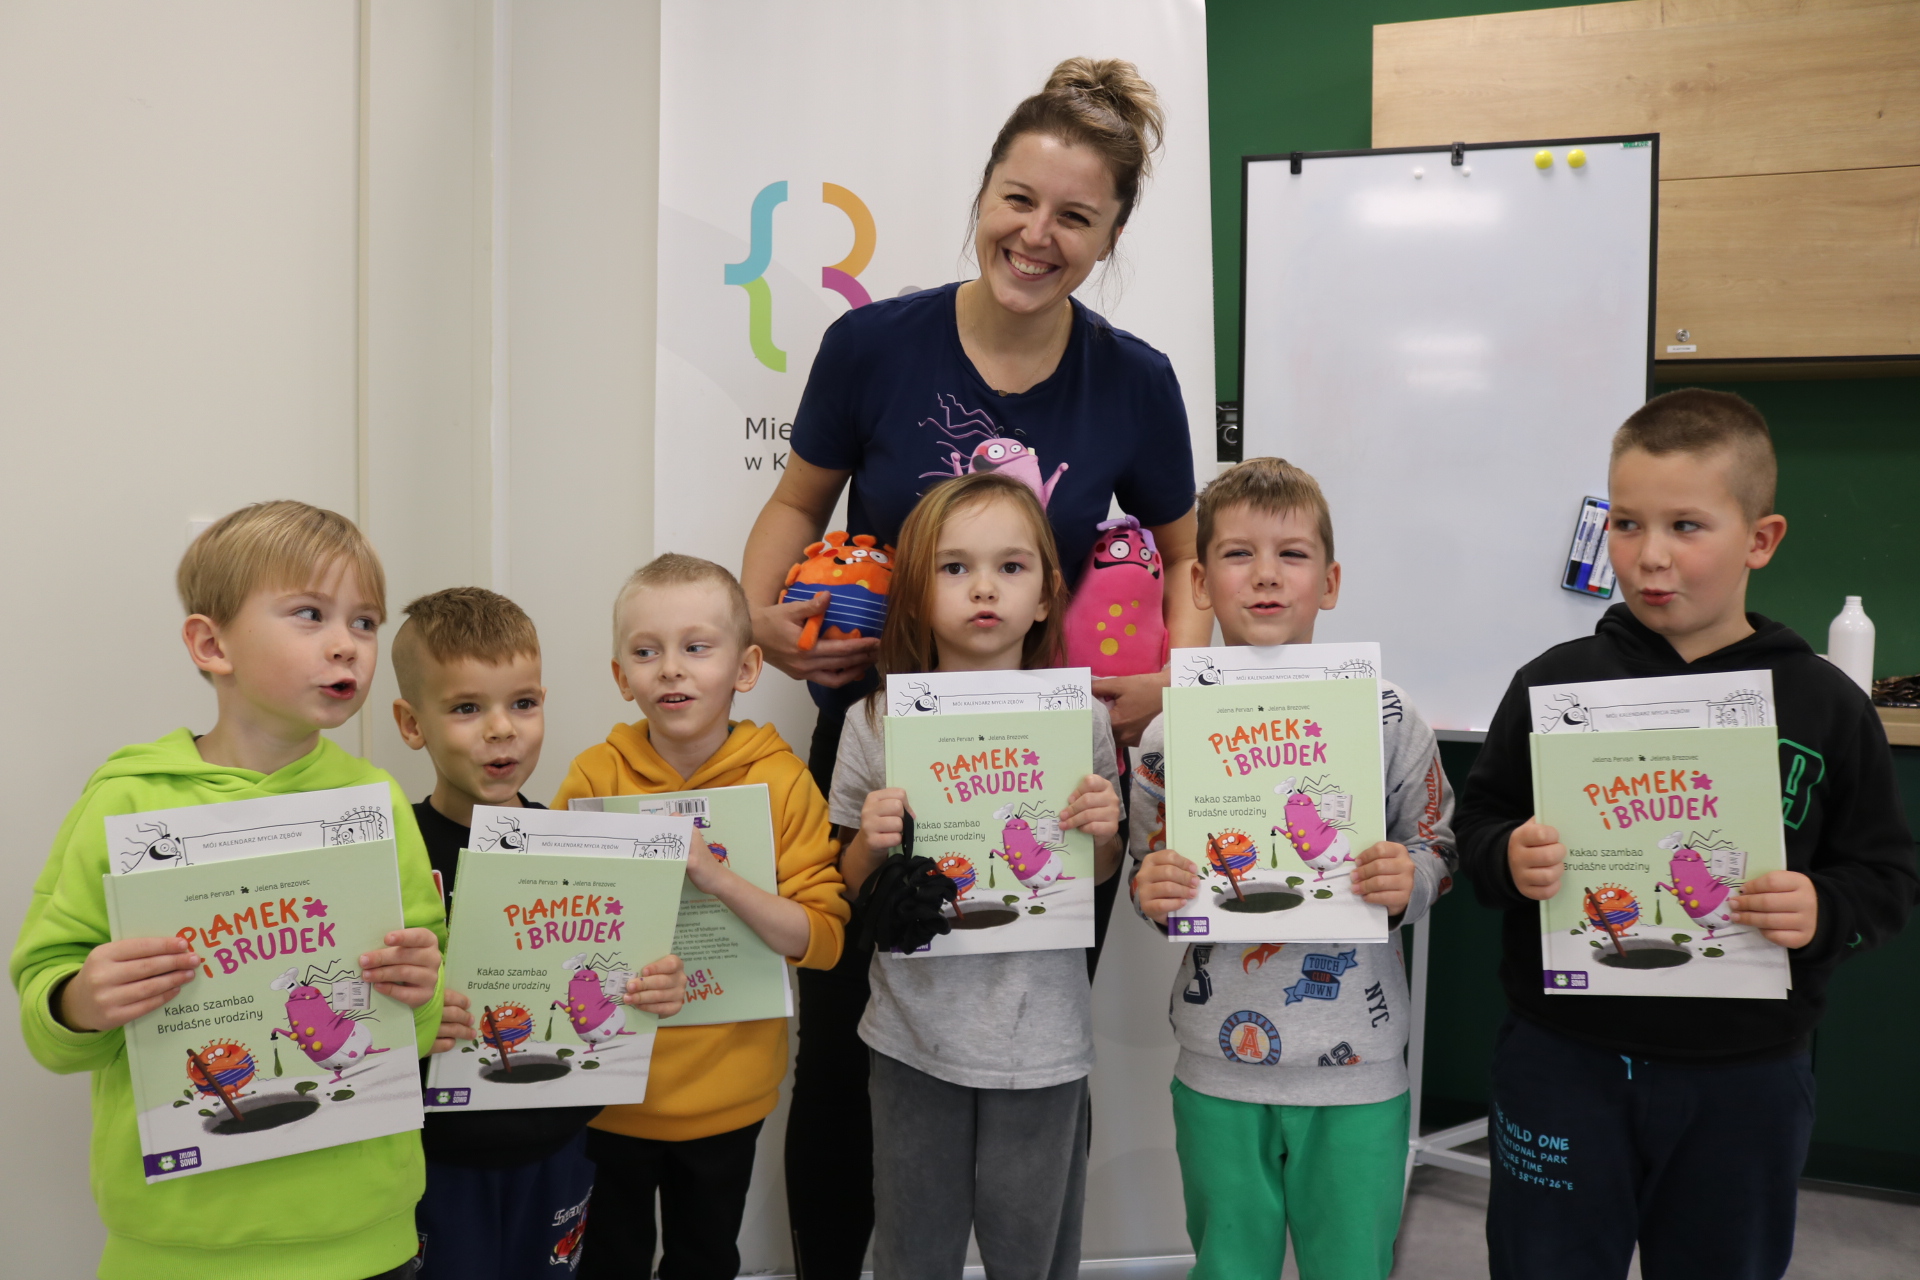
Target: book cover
x,y
1661,829
276,1046
732,976
988,759
553,911
1274,788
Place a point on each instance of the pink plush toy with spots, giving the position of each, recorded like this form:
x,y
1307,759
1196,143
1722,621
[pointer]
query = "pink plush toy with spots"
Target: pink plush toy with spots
x,y
1114,624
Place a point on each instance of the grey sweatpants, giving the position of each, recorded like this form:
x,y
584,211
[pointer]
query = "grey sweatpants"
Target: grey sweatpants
x,y
1009,1163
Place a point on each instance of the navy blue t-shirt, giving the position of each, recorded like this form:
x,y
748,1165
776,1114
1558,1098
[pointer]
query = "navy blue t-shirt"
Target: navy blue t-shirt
x,y
893,398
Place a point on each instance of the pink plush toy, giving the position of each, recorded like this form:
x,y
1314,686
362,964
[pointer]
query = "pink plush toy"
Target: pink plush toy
x,y
1114,624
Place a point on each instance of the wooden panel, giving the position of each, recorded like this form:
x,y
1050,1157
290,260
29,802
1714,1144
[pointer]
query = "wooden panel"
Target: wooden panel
x,y
1678,369
1902,725
1791,265
1732,86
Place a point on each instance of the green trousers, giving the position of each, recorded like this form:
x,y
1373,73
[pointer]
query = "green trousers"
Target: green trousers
x,y
1334,1176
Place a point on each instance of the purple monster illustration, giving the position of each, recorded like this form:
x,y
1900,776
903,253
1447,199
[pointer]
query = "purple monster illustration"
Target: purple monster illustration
x,y
1706,899
1031,848
331,1039
990,450
595,1018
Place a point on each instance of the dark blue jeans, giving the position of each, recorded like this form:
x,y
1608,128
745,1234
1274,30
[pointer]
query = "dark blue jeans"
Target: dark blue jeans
x,y
501,1224
1700,1164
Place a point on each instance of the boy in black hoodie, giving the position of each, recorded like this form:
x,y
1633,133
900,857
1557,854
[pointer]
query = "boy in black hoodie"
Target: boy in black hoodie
x,y
507,1190
1679,1123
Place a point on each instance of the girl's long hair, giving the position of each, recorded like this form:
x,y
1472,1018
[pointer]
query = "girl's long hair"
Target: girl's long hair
x,y
907,642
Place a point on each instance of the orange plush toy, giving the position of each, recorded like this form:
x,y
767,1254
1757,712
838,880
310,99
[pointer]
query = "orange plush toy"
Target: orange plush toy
x,y
856,573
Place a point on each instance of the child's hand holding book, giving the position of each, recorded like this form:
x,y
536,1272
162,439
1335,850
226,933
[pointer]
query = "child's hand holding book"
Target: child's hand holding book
x,y
1165,883
456,1021
1535,858
1094,807
124,980
1384,877
1782,905
659,989
406,968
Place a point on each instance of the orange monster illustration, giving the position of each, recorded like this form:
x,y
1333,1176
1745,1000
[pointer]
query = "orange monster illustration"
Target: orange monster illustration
x,y
1232,854
1621,908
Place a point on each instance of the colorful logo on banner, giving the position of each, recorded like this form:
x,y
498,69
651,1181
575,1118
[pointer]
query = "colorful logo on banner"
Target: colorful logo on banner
x,y
842,277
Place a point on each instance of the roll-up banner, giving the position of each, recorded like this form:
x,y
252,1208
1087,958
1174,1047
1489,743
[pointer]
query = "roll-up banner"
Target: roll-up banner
x,y
817,156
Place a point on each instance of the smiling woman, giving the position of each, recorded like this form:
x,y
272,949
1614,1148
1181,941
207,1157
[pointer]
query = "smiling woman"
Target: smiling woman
x,y
911,390
1008,373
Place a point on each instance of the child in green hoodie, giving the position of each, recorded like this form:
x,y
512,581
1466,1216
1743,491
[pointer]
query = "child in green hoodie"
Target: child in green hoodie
x,y
285,600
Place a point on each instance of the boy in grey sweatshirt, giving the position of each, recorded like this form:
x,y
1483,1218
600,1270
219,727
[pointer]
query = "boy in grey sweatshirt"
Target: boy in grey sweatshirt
x,y
1290,1092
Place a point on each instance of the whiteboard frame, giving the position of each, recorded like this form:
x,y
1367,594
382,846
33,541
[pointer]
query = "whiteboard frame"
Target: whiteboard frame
x,y
1440,1149
1625,380
1653,250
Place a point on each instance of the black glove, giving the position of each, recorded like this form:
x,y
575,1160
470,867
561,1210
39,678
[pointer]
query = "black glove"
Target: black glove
x,y
899,905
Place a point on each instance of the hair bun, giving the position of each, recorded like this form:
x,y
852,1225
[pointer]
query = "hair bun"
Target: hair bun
x,y
1118,86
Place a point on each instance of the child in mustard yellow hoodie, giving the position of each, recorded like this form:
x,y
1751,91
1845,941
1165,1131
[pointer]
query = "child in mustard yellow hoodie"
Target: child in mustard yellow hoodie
x,y
682,648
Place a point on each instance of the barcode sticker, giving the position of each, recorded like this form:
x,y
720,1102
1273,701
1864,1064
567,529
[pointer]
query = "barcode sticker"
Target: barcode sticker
x,y
681,807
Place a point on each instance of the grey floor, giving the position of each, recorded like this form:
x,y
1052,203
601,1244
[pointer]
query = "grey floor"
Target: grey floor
x,y
1840,1235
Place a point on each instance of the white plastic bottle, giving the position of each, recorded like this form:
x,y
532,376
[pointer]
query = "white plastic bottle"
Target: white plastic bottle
x,y
1850,643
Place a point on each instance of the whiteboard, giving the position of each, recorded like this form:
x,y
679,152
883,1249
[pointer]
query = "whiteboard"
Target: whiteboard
x,y
1448,350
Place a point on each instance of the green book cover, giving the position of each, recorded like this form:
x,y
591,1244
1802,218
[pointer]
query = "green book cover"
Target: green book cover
x,y
552,913
986,790
732,976
277,1046
1274,788
1661,829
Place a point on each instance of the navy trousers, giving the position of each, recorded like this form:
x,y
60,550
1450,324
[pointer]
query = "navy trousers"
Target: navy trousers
x,y
1593,1152
505,1224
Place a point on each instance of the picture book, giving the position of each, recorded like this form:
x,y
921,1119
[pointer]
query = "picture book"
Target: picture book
x,y
276,1046
988,759
162,838
732,976
553,912
1661,830
1275,787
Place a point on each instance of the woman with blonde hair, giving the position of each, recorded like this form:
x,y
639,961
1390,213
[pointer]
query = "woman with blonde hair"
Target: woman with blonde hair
x,y
1004,372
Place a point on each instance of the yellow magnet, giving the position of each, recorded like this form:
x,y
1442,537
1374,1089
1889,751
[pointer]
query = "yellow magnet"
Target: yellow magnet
x,y
1543,159
1576,159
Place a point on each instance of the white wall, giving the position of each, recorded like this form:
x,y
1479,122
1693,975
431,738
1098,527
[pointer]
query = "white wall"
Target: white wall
x,y
252,251
177,337
584,205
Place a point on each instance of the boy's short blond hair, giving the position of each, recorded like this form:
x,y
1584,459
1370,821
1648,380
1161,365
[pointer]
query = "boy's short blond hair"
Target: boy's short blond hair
x,y
1697,421
674,570
456,624
1271,486
283,544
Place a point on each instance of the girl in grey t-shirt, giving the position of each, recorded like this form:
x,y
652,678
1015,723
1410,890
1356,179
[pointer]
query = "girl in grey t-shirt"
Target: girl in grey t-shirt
x,y
980,1062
